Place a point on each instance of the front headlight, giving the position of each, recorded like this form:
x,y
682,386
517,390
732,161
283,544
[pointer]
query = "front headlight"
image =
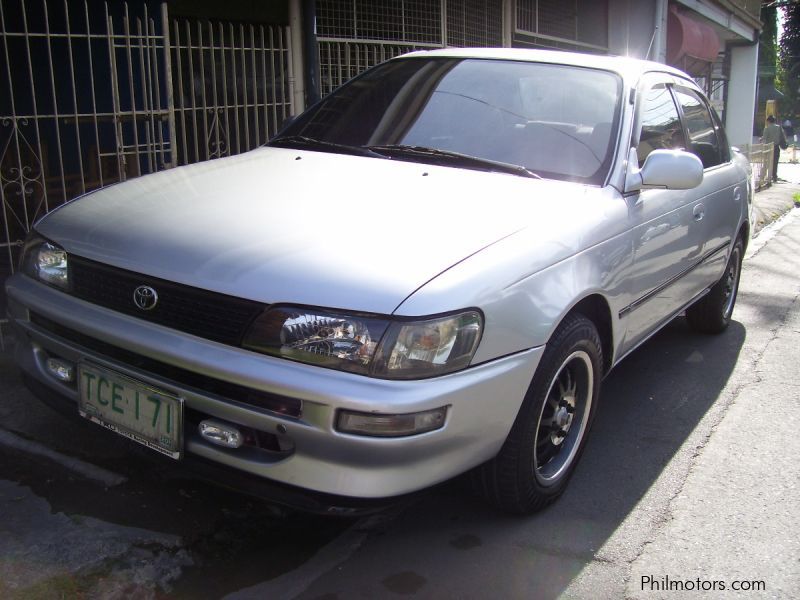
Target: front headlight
x,y
45,261
367,344
329,339
425,348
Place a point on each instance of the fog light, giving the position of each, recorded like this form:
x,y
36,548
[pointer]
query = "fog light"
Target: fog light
x,y
221,434
61,369
383,425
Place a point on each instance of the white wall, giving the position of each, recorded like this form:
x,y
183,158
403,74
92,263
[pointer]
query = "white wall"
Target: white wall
x,y
742,94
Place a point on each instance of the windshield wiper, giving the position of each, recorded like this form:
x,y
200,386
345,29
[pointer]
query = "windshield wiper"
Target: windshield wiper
x,y
452,158
305,142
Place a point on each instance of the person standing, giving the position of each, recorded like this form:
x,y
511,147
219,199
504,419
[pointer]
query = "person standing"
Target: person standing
x,y
773,134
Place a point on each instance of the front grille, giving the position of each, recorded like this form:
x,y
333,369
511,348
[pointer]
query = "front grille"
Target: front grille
x,y
209,315
202,384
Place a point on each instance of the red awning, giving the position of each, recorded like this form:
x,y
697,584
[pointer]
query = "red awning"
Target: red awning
x,y
688,37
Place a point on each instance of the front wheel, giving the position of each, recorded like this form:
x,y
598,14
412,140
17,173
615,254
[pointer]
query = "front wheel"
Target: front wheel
x,y
538,457
712,313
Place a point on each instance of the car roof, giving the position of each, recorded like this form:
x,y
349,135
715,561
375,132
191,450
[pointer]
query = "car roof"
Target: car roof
x,y
628,68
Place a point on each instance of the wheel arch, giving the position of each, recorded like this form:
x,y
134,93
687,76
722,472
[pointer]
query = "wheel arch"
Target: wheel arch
x,y
744,233
596,308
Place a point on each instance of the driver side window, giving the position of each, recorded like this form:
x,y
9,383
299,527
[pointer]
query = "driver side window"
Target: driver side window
x,y
703,141
661,125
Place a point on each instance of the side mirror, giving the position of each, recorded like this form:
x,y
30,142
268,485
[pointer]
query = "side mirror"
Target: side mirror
x,y
666,169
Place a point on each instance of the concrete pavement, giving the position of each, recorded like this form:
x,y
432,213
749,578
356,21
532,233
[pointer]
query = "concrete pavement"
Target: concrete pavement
x,y
773,202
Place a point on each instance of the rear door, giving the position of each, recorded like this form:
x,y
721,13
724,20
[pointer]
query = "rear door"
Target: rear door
x,y
720,196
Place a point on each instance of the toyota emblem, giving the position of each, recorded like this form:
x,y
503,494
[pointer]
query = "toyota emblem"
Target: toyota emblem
x,y
145,297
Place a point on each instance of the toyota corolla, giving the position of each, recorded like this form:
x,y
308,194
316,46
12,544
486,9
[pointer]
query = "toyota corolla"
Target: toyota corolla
x,y
428,272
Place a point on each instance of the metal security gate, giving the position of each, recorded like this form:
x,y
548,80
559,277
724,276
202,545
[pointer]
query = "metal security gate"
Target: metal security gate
x,y
93,92
82,105
232,86
139,84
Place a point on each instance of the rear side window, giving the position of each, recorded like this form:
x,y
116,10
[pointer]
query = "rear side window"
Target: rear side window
x,y
661,125
703,140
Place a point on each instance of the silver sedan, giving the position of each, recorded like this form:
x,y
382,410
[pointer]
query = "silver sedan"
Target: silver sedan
x,y
427,273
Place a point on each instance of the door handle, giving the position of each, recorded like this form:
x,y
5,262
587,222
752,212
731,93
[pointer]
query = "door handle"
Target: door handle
x,y
737,194
699,212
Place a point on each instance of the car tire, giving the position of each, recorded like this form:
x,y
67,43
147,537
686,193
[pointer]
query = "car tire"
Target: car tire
x,y
539,456
712,313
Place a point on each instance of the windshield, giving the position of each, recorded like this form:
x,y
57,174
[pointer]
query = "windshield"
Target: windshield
x,y
556,121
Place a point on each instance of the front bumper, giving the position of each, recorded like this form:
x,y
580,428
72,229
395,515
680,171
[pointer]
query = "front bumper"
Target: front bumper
x,y
482,401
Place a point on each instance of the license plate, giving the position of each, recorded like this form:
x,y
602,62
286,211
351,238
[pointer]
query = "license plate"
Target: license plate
x,y
132,408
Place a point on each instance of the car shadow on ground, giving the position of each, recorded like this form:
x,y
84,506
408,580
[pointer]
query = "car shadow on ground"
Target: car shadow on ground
x,y
650,405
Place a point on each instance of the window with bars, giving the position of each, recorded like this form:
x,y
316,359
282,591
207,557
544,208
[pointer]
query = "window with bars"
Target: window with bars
x,y
384,20
569,24
475,23
356,34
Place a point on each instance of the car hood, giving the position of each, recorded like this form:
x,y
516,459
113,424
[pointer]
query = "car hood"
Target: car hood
x,y
281,225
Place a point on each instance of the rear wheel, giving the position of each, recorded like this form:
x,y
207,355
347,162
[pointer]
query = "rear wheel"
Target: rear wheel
x,y
540,454
712,313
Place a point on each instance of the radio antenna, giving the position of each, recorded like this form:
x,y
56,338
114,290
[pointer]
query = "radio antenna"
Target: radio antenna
x,y
650,47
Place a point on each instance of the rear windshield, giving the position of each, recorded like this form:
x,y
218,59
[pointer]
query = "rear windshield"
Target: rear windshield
x,y
557,121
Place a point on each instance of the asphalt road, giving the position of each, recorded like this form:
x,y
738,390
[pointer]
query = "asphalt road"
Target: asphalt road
x,y
690,476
